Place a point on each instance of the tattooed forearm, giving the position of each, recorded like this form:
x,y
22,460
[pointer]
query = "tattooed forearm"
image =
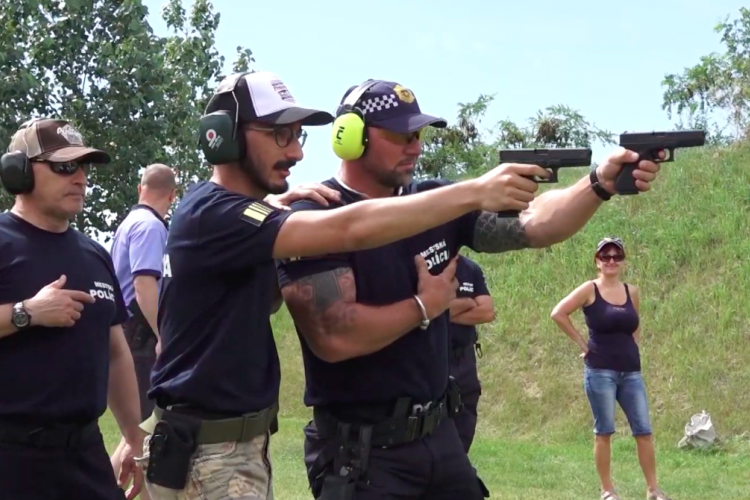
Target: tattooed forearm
x,y
324,301
493,234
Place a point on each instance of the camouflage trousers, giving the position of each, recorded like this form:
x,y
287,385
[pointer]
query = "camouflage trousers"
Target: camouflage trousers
x,y
223,471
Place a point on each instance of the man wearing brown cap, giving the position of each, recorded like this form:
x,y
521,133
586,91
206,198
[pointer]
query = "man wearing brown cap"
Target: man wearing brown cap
x,y
216,380
63,355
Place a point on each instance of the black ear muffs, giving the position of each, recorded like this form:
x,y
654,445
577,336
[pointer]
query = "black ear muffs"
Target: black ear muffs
x,y
218,136
16,173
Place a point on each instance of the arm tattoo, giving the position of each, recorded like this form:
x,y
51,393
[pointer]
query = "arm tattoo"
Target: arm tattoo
x,y
493,234
323,302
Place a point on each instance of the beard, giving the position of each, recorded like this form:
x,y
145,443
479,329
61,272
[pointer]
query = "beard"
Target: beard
x,y
250,168
390,179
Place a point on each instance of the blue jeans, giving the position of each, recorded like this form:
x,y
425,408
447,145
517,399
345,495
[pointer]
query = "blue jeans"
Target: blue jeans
x,y
604,388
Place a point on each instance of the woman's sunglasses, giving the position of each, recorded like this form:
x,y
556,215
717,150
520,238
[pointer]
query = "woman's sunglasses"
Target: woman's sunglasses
x,y
614,258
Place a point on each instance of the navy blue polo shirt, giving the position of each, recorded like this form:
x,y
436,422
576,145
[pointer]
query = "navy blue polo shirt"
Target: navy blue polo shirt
x,y
471,284
417,364
218,351
52,375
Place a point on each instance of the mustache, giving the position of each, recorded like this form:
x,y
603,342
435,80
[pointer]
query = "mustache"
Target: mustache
x,y
284,164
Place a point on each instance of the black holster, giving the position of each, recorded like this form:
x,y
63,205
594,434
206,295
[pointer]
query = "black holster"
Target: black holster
x,y
171,450
453,398
138,332
341,464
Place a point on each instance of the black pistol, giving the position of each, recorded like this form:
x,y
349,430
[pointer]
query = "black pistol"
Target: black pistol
x,y
550,159
648,145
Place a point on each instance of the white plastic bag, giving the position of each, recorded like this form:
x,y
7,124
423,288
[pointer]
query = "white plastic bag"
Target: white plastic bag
x,y
699,432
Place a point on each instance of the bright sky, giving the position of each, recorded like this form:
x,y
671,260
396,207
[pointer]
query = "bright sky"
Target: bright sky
x,y
606,59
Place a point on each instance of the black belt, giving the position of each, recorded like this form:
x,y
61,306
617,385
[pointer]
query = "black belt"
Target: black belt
x,y
54,436
390,431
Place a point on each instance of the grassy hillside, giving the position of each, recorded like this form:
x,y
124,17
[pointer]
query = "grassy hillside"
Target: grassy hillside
x,y
689,252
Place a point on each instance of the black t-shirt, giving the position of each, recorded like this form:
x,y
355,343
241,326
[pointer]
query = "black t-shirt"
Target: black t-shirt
x,y
416,365
56,374
470,284
218,351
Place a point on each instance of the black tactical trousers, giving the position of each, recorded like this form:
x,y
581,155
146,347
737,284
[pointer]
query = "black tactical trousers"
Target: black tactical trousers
x,y
55,465
434,467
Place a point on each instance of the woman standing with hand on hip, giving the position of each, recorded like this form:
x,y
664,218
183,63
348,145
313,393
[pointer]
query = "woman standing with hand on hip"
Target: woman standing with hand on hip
x,y
612,363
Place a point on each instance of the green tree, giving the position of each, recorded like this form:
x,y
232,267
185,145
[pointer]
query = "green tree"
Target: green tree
x,y
462,149
715,93
136,95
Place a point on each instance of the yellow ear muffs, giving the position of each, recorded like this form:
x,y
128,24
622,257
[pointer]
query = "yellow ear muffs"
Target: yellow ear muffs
x,y
348,135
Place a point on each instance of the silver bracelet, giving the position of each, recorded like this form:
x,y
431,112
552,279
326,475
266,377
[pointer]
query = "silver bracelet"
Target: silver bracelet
x,y
425,319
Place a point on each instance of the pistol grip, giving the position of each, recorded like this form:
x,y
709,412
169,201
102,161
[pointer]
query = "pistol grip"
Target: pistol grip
x,y
625,182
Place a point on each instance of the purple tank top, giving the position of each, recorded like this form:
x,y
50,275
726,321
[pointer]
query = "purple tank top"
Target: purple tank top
x,y
611,327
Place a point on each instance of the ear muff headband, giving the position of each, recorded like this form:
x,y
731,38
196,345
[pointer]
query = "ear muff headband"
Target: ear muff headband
x,y
348,136
217,131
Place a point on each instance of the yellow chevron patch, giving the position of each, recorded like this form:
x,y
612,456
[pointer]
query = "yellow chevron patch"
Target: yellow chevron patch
x,y
256,213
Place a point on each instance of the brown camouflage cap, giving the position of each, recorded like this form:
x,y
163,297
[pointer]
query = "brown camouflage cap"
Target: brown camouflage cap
x,y
54,140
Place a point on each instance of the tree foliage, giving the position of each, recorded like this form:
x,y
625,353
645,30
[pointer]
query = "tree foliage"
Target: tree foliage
x,y
136,95
462,149
718,85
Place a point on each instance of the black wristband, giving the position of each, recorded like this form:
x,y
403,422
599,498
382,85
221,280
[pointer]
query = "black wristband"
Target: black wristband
x,y
598,189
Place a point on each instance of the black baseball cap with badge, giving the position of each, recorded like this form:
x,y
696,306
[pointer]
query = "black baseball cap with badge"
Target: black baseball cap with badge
x,y
391,106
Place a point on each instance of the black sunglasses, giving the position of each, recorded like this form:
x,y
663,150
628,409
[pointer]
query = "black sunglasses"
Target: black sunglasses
x,y
68,167
616,258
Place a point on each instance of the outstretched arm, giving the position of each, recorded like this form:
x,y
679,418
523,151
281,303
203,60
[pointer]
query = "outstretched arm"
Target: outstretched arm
x,y
557,214
375,222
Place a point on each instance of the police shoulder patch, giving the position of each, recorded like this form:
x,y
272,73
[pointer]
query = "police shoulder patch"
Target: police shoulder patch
x,y
256,212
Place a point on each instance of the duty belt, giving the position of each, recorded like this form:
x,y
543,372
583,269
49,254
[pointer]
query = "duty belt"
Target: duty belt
x,y
391,431
237,429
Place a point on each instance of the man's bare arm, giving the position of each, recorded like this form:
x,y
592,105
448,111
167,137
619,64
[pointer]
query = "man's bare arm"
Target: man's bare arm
x,y
372,223
483,312
337,328
123,398
6,320
553,217
147,296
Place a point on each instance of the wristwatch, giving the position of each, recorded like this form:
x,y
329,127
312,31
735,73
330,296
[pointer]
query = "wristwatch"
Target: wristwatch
x,y
597,187
21,317
425,319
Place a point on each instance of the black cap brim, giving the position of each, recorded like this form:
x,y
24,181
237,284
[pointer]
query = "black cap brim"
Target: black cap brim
x,y
407,124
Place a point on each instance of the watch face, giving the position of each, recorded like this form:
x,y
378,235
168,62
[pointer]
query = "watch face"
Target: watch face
x,y
20,319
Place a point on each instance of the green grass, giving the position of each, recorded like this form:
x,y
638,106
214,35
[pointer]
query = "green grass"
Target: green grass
x,y
689,252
